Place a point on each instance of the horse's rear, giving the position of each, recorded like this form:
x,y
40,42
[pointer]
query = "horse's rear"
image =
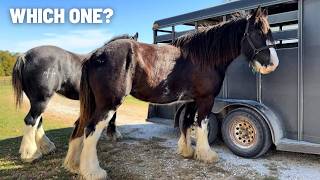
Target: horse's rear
x,y
39,73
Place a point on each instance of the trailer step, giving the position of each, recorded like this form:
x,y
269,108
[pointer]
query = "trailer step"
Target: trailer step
x,y
298,146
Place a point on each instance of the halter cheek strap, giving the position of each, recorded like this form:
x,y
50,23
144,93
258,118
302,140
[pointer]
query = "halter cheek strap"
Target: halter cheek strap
x,y
256,51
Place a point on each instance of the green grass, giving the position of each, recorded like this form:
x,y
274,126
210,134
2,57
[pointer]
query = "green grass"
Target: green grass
x,y
11,129
12,119
134,101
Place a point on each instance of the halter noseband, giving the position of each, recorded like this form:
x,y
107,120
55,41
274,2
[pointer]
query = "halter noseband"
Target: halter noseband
x,y
246,36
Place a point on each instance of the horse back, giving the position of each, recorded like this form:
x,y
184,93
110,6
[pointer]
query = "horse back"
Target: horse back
x,y
155,62
152,69
50,69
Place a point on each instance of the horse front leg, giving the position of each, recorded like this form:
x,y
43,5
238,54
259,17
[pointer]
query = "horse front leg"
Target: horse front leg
x,y
203,151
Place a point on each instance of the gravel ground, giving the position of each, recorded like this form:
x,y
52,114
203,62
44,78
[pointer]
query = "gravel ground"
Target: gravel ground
x,y
148,151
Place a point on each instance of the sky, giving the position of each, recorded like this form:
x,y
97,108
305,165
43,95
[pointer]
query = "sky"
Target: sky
x,y
130,16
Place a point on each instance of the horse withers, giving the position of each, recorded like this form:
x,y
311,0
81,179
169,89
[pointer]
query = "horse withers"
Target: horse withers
x,y
39,73
191,69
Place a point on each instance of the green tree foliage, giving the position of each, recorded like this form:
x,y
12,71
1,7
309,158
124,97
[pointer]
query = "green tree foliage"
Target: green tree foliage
x,y
7,61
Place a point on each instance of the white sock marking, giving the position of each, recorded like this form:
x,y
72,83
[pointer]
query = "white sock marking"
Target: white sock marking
x,y
28,148
43,142
184,144
203,150
72,160
89,163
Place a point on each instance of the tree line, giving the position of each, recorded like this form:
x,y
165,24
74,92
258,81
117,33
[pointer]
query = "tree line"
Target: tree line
x,y
7,61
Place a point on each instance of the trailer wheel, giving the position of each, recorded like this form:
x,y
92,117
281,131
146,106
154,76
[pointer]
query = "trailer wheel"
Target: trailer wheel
x,y
246,133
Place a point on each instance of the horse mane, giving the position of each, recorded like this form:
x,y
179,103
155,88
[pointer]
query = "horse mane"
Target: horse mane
x,y
215,45
123,36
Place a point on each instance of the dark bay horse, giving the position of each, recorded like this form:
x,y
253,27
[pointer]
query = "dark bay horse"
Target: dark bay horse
x,y
39,73
192,68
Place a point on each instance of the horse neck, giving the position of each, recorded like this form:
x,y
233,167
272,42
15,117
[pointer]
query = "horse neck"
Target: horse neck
x,y
235,47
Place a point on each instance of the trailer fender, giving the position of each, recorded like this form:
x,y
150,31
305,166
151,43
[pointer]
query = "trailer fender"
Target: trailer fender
x,y
223,106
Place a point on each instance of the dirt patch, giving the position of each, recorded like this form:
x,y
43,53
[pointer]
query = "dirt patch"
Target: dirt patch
x,y
147,159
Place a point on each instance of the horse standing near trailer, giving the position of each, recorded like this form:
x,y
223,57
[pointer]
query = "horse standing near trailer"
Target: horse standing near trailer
x,y
193,68
40,73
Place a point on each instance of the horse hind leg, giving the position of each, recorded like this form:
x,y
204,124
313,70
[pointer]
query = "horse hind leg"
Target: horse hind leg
x,y
43,142
113,133
186,119
184,144
28,147
34,134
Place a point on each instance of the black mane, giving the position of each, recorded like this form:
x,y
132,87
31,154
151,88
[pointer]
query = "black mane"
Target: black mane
x,y
213,45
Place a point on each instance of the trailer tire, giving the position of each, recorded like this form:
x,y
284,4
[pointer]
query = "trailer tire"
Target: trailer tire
x,y
246,133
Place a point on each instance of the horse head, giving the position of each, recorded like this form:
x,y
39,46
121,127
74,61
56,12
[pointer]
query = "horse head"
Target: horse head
x,y
257,43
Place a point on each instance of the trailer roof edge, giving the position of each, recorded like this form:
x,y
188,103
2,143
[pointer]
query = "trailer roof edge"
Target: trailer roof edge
x,y
215,11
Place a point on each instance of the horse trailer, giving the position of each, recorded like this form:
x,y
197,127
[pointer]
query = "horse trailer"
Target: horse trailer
x,y
287,101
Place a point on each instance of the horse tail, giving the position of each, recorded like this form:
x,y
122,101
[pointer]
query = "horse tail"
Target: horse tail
x,y
17,79
87,101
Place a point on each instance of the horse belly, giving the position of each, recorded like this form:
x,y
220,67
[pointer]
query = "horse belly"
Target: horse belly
x,y
160,95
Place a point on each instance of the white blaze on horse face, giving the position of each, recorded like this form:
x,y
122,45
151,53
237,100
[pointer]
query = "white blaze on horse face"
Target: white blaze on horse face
x,y
89,163
203,151
274,61
273,56
28,148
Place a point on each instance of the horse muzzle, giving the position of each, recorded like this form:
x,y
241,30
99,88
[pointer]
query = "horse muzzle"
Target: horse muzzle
x,y
264,69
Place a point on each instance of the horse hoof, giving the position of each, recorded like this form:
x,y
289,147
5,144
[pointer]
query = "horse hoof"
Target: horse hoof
x,y
47,147
116,136
206,156
186,152
27,156
97,174
71,167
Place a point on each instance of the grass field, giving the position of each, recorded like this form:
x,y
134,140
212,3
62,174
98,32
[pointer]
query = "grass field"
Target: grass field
x,y
58,128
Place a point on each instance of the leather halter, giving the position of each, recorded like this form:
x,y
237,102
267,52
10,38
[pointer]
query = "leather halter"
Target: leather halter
x,y
256,51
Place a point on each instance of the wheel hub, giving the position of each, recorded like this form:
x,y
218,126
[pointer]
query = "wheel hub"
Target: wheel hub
x,y
243,132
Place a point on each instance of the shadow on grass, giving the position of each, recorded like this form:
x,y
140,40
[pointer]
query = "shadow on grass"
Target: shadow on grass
x,y
116,158
48,167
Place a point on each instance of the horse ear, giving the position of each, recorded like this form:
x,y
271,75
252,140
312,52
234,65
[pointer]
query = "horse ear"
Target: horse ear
x,y
265,12
257,13
136,36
